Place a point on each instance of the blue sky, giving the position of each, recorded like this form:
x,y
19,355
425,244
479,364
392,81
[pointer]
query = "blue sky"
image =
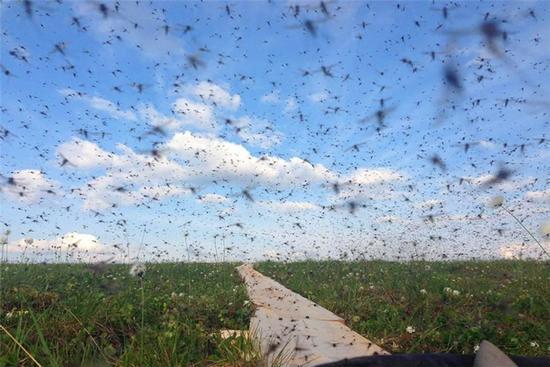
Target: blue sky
x,y
259,113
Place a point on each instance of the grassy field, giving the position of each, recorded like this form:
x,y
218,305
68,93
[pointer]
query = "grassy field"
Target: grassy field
x,y
71,315
67,315
432,307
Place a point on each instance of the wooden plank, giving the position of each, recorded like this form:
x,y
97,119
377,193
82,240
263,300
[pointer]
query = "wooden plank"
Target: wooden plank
x,y
294,331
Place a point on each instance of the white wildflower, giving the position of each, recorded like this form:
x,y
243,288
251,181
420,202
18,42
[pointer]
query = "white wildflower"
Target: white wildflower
x,y
534,344
137,270
544,229
456,293
423,291
410,329
496,201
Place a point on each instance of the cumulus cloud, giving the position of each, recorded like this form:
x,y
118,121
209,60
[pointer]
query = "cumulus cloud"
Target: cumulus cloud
x,y
85,154
365,176
289,206
150,114
542,196
318,97
512,184
429,204
70,246
258,132
214,159
111,108
519,251
366,183
129,178
134,179
100,104
291,105
191,160
212,198
272,97
30,186
196,114
210,92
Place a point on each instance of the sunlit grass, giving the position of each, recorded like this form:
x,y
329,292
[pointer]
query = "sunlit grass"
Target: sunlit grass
x,y
451,306
67,315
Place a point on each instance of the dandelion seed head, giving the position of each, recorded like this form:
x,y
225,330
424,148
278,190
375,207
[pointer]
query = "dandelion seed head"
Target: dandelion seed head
x,y
544,229
496,201
137,270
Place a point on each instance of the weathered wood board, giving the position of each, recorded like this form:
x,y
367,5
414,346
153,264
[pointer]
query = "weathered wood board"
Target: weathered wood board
x,y
293,331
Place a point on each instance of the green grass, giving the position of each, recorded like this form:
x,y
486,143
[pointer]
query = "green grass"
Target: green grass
x,y
506,302
65,315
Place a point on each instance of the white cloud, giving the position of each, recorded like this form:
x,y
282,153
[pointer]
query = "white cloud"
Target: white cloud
x,y
431,203
67,242
212,198
365,176
132,178
367,183
272,97
155,118
70,246
392,219
100,104
111,108
217,95
129,178
318,97
538,196
519,251
196,114
135,179
291,105
213,158
193,160
289,206
512,184
487,144
30,186
85,154
258,132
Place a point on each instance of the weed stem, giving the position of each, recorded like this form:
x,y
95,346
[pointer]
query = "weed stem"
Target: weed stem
x,y
526,230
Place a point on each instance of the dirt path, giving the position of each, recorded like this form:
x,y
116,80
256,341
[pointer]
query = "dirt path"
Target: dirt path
x,y
294,331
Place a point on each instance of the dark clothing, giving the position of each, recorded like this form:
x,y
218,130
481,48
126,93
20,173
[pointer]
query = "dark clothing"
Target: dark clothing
x,y
430,360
